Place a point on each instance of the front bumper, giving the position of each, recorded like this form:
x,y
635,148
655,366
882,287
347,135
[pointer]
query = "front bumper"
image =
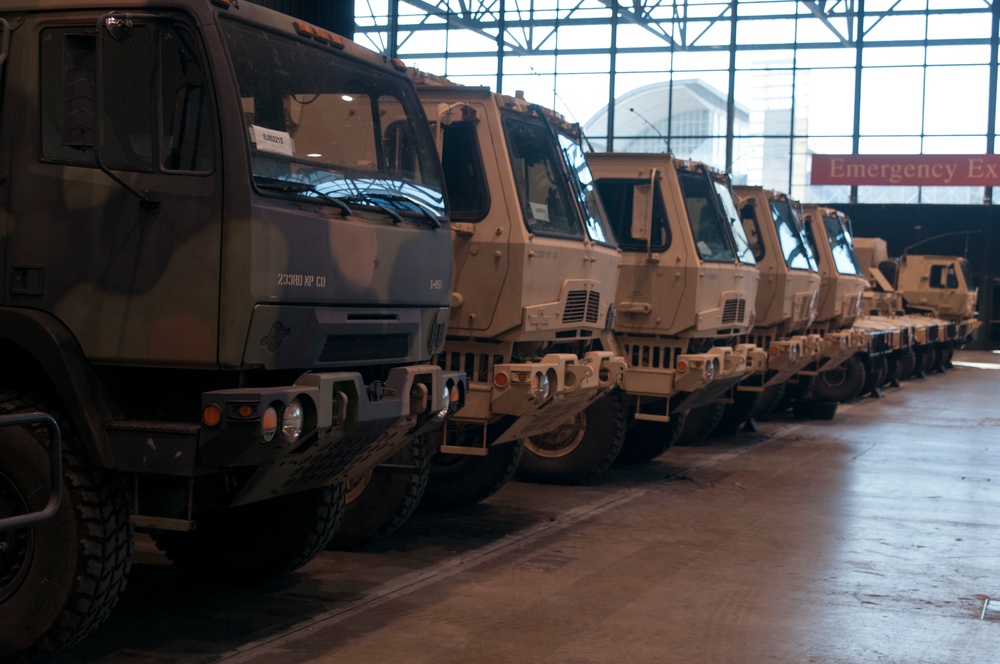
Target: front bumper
x,y
348,427
541,395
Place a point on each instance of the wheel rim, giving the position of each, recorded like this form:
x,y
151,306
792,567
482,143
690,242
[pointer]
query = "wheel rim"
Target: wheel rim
x,y
835,377
15,545
357,486
561,442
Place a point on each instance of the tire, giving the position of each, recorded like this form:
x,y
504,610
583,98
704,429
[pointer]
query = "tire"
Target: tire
x,y
938,361
458,480
645,440
794,392
734,415
700,423
906,362
259,540
59,579
842,383
581,449
948,355
876,369
925,361
772,398
383,499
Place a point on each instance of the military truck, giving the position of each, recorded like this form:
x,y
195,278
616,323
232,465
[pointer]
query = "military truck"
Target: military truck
x,y
874,347
787,298
685,295
228,275
536,267
935,293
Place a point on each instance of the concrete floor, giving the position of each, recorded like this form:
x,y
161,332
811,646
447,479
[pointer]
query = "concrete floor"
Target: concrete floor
x,y
871,538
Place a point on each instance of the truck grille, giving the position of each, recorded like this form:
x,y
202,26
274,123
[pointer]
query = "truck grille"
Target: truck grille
x,y
650,356
582,306
734,311
364,347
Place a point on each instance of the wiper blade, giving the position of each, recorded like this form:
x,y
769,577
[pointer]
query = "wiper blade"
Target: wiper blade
x,y
368,200
427,214
274,184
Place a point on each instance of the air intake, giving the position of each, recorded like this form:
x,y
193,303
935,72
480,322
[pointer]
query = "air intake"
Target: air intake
x,y
734,311
364,347
582,306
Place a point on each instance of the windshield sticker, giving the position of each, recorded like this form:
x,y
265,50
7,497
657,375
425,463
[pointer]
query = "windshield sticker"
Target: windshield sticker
x,y
272,140
540,211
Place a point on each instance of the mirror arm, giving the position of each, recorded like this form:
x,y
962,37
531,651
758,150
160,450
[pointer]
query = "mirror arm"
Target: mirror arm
x,y
144,201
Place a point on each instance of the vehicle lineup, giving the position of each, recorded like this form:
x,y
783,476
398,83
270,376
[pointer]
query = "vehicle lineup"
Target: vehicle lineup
x,y
296,290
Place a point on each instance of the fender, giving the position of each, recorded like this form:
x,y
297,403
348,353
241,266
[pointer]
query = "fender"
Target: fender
x,y
31,336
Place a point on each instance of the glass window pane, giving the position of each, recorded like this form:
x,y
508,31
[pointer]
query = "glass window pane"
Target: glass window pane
x,y
829,105
947,84
894,27
891,99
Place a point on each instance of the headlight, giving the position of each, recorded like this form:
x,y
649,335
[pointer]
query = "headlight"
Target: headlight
x,y
445,402
269,423
544,387
795,353
710,370
291,421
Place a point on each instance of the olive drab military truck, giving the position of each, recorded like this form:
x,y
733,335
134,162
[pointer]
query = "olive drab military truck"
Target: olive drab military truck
x,y
227,275
536,268
686,291
787,298
875,347
935,293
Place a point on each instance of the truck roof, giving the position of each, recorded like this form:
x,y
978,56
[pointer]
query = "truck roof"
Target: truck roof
x,y
205,10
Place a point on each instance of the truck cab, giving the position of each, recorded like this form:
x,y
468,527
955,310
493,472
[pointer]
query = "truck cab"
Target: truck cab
x,y
861,351
536,267
688,285
230,278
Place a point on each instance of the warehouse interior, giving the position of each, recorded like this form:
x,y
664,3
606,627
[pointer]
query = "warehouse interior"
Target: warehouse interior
x,y
921,51
318,405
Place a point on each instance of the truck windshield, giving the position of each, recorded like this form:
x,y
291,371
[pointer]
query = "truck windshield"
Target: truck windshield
x,y
546,200
596,221
710,236
347,130
794,247
842,246
744,252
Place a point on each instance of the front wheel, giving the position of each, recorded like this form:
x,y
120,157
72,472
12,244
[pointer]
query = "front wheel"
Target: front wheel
x,y
841,383
59,579
701,422
581,449
646,439
258,540
458,480
381,500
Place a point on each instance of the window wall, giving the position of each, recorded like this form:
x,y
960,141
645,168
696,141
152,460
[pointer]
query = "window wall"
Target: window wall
x,y
752,86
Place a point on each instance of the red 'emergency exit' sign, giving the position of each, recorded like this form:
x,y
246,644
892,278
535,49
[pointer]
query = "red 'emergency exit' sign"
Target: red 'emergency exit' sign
x,y
942,170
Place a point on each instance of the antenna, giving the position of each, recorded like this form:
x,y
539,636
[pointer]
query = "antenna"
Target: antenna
x,y
938,237
653,127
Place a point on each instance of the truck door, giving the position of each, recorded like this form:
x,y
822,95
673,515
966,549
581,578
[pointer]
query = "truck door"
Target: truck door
x,y
117,198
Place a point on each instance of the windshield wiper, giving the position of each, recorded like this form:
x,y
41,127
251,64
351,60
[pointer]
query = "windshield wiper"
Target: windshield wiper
x,y
275,184
428,215
364,199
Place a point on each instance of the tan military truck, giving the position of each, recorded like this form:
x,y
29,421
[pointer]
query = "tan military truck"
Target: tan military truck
x,y
787,298
686,292
874,347
935,293
536,268
228,276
